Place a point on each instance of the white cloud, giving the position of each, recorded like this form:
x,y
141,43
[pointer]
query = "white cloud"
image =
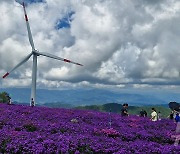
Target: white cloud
x,y
10,82
57,73
117,41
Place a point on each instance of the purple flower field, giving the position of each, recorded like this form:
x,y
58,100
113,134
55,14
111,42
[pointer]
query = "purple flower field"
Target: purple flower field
x,y
24,129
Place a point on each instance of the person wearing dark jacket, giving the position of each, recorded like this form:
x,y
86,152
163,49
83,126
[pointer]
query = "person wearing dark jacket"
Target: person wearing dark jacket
x,y
171,115
124,111
143,113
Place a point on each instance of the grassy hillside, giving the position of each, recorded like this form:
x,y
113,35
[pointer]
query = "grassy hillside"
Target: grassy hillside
x,y
134,110
164,110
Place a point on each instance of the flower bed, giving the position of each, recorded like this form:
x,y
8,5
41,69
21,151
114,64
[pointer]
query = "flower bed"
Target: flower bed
x,y
25,129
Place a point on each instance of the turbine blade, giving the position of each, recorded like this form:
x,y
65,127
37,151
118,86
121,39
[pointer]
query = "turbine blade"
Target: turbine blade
x,y
56,57
28,28
22,62
5,75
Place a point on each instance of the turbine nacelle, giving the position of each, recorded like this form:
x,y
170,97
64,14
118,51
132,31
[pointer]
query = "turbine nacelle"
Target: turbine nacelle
x,y
35,52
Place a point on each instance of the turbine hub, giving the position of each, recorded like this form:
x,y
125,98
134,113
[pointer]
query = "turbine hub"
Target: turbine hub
x,y
35,52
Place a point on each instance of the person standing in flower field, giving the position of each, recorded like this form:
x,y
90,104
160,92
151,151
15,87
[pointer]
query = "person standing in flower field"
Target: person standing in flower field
x,y
143,113
154,115
177,117
177,136
159,115
177,120
124,111
32,102
9,100
171,115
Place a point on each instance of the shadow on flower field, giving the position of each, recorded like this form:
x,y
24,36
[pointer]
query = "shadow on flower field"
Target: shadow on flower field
x,y
25,129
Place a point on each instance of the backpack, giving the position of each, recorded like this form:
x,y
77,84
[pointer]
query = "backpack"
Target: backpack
x,y
177,118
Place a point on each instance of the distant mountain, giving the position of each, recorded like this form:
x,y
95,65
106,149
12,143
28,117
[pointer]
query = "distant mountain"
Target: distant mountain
x,y
90,96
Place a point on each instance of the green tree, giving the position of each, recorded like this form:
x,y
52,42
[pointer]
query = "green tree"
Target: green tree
x,y
4,97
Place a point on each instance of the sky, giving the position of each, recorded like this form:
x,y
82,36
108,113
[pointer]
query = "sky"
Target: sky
x,y
132,44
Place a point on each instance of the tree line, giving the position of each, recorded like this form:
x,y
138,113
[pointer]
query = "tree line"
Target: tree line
x,y
4,97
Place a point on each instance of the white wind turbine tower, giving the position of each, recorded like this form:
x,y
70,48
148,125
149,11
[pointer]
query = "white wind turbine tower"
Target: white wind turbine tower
x,y
35,53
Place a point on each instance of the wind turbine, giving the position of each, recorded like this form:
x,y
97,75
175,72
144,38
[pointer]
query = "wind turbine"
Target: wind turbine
x,y
35,53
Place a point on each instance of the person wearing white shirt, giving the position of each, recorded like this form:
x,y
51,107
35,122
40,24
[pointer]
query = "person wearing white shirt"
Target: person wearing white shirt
x,y
154,115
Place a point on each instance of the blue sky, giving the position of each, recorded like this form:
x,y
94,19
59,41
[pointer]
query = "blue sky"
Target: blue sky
x,y
122,44
65,22
29,1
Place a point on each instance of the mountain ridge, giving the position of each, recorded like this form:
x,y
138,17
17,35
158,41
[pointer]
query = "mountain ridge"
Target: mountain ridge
x,y
80,97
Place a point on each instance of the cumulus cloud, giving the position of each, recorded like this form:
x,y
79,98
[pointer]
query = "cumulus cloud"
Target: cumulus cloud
x,y
119,42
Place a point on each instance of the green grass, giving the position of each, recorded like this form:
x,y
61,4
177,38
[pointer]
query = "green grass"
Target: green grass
x,y
134,110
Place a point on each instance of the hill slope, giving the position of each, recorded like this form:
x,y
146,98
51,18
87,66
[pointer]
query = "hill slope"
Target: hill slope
x,y
134,110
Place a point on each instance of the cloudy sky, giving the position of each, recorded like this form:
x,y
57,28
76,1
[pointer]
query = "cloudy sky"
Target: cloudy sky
x,y
121,43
